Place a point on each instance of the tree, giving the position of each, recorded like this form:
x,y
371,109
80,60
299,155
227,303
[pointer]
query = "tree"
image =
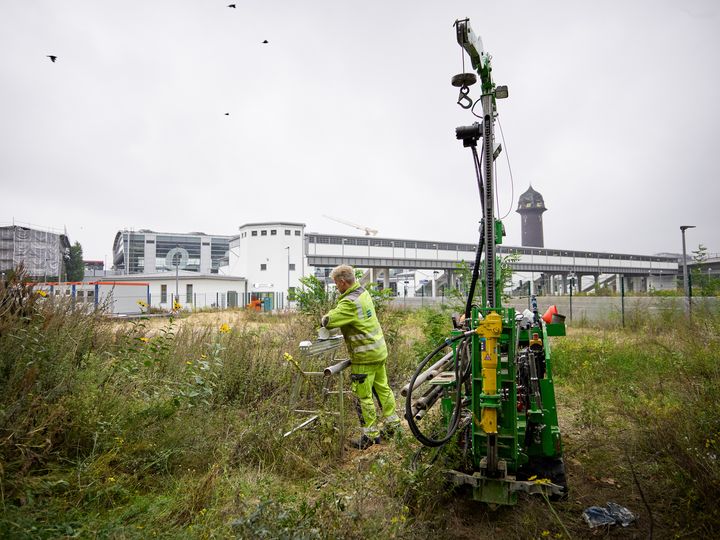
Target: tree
x,y
313,298
702,283
464,274
75,266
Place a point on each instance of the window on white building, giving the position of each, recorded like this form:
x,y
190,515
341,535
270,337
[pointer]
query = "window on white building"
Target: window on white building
x,y
287,232
263,233
291,266
273,232
188,293
297,233
254,233
263,266
163,293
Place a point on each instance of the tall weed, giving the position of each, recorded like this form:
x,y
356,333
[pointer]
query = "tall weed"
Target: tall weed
x,y
654,389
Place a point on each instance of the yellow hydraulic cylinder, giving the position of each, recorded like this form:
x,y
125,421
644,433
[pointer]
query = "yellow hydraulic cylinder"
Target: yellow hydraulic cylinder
x,y
489,328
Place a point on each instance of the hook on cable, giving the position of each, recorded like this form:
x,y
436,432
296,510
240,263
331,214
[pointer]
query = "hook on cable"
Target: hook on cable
x,y
464,81
463,99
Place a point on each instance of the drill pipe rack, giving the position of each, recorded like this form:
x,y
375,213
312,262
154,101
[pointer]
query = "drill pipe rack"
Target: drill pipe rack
x,y
334,371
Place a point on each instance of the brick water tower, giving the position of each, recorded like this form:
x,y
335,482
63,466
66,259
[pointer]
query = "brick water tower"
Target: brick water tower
x,y
531,207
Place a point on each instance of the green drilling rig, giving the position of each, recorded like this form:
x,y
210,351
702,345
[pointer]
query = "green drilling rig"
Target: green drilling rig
x,y
492,376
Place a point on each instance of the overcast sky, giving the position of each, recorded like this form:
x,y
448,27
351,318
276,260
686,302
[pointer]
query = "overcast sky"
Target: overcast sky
x,y
613,115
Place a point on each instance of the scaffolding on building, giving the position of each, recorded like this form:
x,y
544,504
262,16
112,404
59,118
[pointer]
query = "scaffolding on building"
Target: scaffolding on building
x,y
41,252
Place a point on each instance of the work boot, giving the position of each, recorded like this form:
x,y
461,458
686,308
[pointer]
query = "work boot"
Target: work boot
x,y
388,431
365,442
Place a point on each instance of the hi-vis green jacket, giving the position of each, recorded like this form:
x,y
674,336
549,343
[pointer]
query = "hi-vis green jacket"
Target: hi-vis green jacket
x,y
356,318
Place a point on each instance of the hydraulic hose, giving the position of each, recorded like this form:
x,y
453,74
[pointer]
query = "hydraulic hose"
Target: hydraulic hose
x,y
455,421
476,272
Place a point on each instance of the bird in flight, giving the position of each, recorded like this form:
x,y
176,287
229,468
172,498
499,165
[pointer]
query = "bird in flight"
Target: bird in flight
x,y
227,114
52,57
232,6
265,41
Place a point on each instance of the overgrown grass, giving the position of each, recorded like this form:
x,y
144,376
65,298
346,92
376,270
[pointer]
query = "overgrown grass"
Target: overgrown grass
x,y
120,431
648,398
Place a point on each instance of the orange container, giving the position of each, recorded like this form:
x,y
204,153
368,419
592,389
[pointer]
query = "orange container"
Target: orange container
x,y
552,310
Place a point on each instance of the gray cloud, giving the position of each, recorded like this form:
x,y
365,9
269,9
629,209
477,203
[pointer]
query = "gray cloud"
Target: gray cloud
x,y
348,111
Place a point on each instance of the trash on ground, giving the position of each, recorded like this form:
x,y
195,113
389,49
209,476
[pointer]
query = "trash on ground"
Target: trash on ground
x,y
610,514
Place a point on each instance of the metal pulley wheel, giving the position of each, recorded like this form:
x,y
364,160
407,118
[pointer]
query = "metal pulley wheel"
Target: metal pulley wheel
x,y
463,79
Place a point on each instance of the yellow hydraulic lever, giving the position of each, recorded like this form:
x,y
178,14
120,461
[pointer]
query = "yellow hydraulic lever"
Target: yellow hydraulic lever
x,y
489,328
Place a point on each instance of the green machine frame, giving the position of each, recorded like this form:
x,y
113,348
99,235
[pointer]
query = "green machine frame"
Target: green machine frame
x,y
496,392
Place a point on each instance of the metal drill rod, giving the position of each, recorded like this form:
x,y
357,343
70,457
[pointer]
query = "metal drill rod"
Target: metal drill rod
x,y
429,373
336,368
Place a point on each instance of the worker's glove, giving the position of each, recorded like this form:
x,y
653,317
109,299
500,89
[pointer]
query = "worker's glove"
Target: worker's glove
x,y
325,320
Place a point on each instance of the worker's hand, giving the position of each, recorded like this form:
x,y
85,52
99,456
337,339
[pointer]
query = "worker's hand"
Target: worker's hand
x,y
325,320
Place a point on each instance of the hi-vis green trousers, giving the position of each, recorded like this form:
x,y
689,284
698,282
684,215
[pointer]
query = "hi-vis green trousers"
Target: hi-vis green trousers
x,y
366,380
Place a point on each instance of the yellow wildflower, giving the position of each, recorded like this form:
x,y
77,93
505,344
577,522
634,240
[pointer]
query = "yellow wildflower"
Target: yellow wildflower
x,y
144,339
546,533
203,356
224,328
42,293
111,479
142,304
188,362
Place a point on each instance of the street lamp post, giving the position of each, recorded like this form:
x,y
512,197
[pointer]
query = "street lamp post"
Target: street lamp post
x,y
176,263
686,282
571,279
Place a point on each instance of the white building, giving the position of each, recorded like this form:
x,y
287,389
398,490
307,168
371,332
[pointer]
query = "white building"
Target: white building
x,y
194,290
118,298
271,256
265,261
146,251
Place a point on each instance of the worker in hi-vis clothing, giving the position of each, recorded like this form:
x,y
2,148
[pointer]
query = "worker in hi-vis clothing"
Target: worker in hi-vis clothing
x,y
355,316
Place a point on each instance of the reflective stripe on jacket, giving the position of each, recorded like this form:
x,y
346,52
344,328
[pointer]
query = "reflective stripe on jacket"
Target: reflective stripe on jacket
x,y
356,318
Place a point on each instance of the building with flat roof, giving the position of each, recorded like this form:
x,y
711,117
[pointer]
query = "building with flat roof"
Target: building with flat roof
x,y
271,257
42,253
146,251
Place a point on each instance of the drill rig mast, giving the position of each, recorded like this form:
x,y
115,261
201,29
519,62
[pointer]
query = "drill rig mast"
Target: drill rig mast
x,y
495,384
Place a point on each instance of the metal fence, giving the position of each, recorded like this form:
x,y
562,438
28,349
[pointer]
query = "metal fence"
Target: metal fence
x,y
587,308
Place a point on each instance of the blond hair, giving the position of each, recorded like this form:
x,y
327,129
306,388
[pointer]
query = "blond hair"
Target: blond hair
x,y
344,272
